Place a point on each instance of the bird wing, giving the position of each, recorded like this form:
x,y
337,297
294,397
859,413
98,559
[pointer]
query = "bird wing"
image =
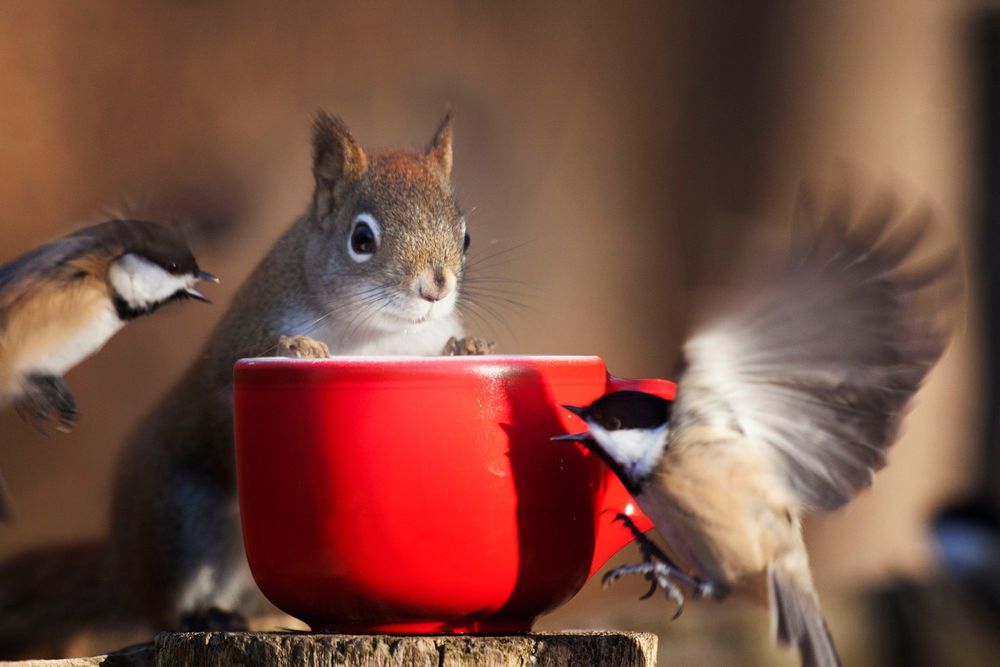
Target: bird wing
x,y
22,276
817,363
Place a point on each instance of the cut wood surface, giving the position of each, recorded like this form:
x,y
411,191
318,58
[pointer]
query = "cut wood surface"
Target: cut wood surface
x,y
287,649
585,649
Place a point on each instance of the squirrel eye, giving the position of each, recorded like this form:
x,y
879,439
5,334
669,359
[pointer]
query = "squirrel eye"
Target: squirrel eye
x,y
465,243
363,239
366,234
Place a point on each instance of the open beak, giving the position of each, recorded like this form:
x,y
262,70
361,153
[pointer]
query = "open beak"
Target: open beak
x,y
574,437
195,294
205,275
201,276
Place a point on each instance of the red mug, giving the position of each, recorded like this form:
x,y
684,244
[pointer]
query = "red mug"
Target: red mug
x,y
423,495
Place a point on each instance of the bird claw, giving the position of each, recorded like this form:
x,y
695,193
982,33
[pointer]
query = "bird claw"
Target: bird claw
x,y
44,395
652,589
660,575
663,574
646,545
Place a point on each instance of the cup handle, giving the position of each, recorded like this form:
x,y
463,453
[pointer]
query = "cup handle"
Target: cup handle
x,y
612,535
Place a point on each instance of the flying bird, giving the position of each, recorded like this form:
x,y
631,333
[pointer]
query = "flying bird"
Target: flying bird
x,y
790,396
60,303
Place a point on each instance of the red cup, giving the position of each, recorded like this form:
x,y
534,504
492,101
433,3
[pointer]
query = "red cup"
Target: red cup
x,y
423,495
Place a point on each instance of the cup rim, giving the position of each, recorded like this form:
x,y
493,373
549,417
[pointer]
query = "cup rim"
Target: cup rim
x,y
381,360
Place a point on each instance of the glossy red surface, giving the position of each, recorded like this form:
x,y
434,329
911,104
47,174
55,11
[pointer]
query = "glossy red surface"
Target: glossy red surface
x,y
423,495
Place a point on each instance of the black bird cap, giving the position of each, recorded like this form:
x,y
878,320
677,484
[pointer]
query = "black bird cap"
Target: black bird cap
x,y
160,244
621,410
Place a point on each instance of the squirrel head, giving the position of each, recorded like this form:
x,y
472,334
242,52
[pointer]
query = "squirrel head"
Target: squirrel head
x,y
394,239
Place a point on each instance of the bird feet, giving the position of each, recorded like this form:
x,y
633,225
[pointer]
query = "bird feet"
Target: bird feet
x,y
44,395
663,574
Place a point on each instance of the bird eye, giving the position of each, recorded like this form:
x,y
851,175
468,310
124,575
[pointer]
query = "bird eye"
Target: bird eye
x,y
465,243
172,267
615,424
366,234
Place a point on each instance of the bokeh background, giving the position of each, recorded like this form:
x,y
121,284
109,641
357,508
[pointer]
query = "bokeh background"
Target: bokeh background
x,y
612,157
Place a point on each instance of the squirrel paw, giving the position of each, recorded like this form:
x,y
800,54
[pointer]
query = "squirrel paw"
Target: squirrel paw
x,y
468,346
302,347
43,396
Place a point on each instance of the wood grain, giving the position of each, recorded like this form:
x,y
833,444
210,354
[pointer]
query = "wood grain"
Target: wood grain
x,y
623,649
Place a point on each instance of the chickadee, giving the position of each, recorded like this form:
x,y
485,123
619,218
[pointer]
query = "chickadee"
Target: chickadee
x,y
60,303
788,402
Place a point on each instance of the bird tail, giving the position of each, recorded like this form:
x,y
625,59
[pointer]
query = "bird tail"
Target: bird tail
x,y
795,614
50,596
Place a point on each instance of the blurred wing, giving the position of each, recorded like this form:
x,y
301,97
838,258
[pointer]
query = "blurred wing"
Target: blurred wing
x,y
817,364
20,277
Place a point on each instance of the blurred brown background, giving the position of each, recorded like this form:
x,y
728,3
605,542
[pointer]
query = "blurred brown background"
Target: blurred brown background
x,y
612,156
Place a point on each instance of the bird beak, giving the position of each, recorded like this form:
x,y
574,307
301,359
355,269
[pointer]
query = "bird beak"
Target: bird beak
x,y
205,275
195,294
584,437
573,437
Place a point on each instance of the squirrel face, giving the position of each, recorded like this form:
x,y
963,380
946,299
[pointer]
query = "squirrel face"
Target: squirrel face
x,y
394,238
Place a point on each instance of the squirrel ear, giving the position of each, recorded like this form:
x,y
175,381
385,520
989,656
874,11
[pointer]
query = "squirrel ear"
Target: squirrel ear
x,y
337,158
439,151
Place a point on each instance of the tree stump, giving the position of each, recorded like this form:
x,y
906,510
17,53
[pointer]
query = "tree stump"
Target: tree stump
x,y
286,649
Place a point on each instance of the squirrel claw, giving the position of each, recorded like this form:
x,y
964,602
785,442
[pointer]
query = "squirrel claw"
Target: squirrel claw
x,y
302,347
468,346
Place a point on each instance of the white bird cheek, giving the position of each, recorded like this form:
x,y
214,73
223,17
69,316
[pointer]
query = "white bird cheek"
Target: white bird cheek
x,y
142,283
121,280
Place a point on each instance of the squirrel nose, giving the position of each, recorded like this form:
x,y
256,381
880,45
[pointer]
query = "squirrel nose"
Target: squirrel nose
x,y
430,297
434,285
